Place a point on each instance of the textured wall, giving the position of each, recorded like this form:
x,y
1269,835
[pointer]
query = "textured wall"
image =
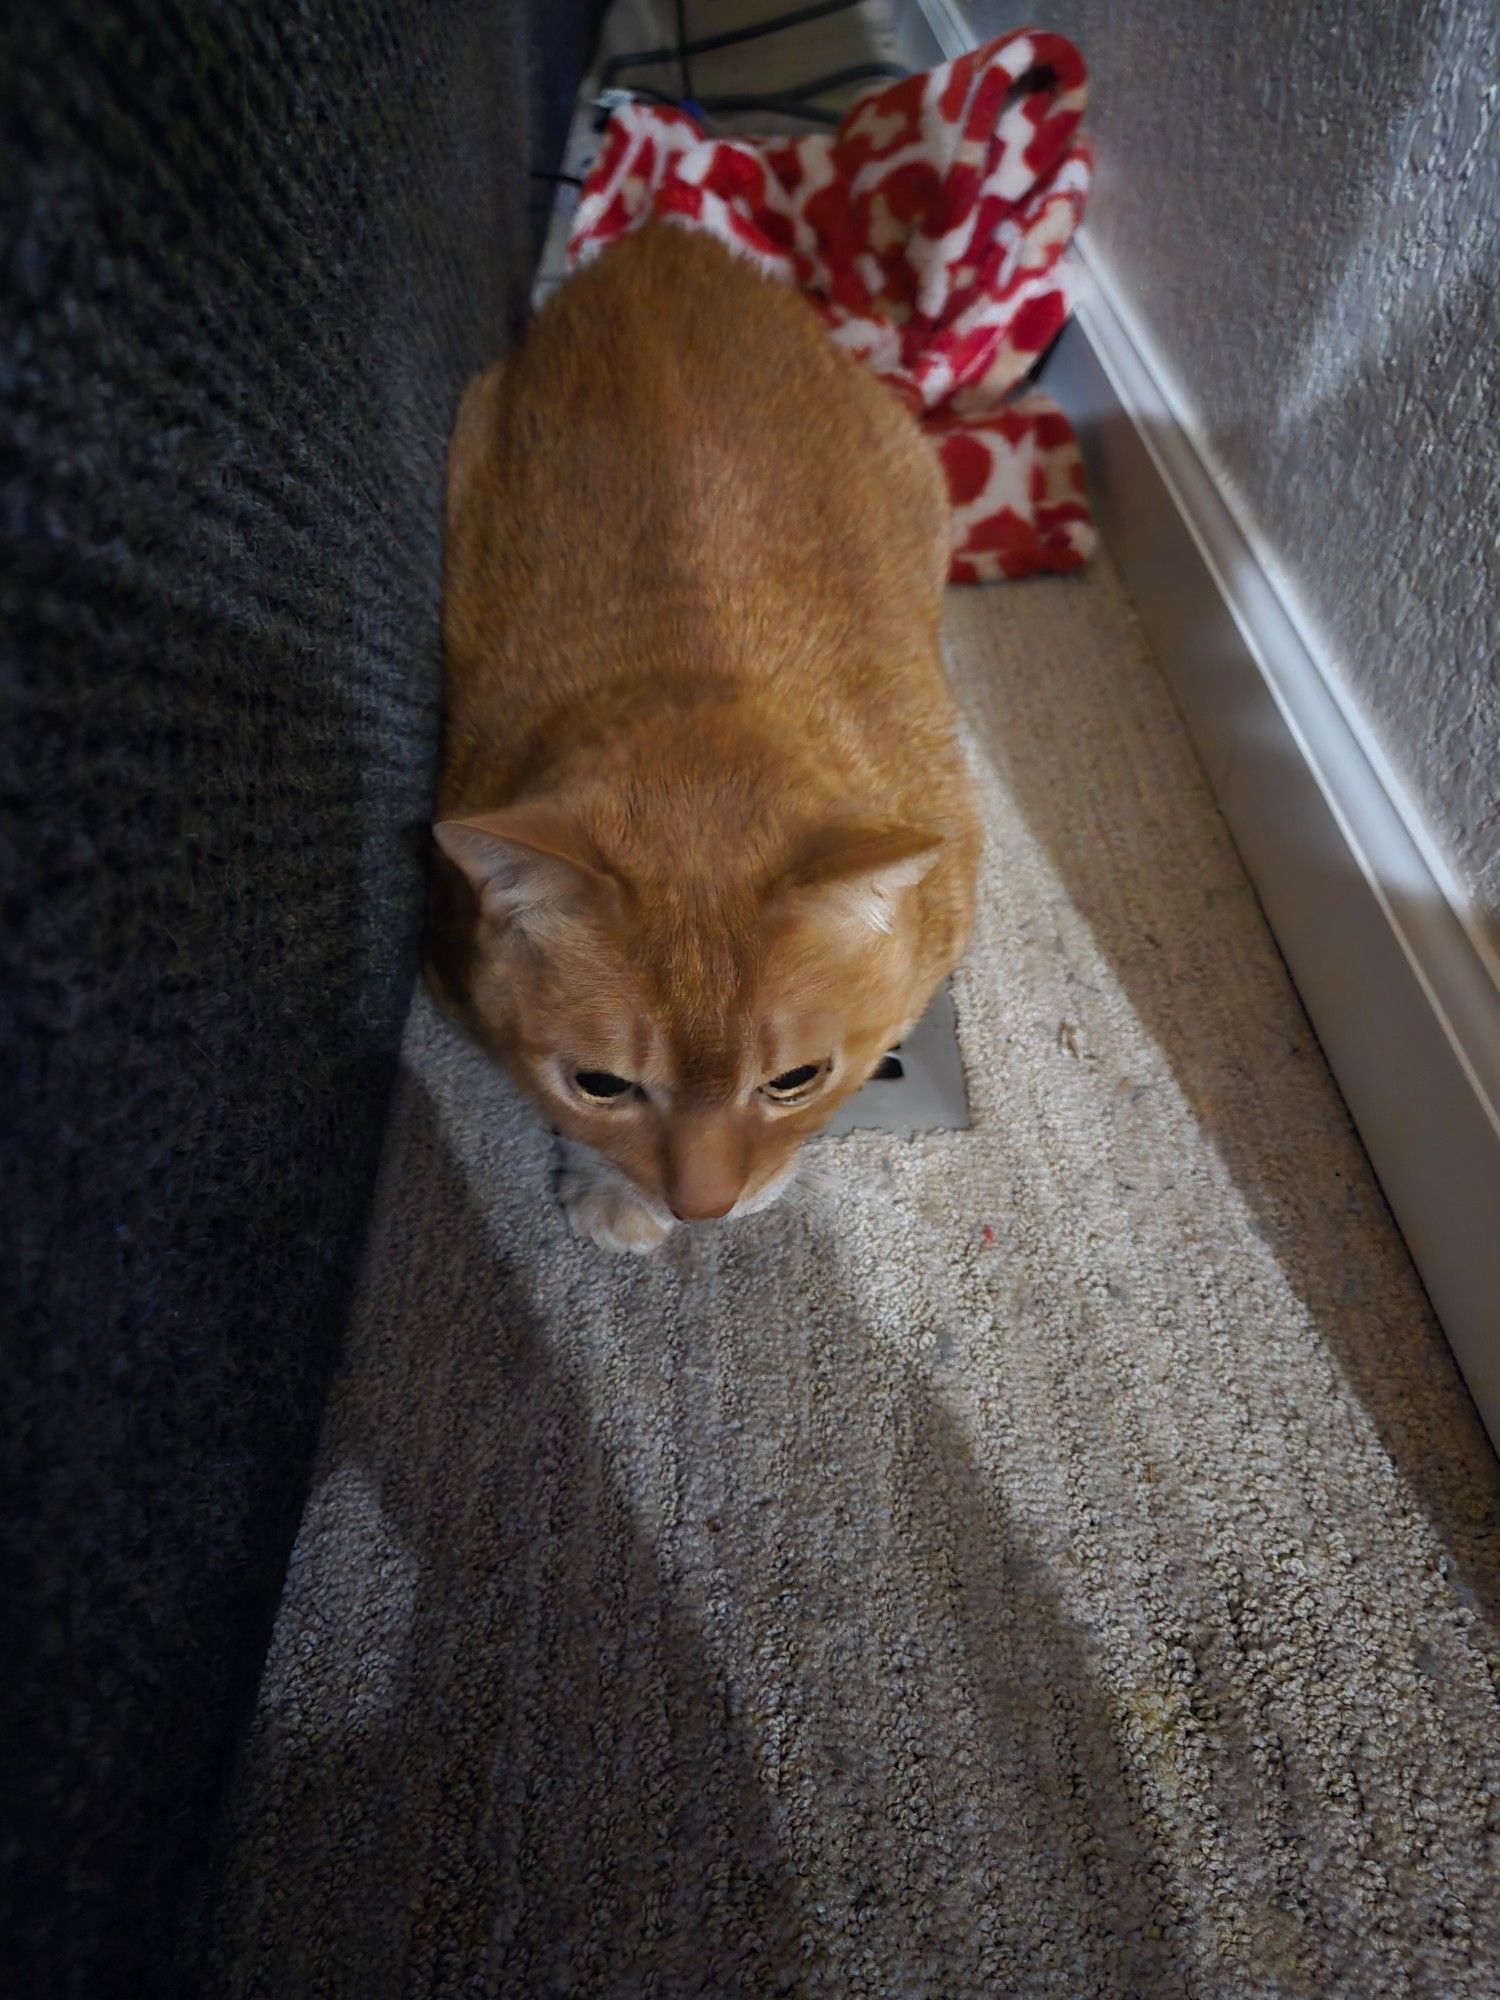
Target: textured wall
x,y
251,251
1304,200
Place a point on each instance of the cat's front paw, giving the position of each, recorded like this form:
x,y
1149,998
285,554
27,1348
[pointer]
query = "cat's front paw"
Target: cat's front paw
x,y
605,1213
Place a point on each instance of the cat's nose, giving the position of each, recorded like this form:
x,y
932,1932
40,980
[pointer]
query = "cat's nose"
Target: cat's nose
x,y
706,1168
702,1208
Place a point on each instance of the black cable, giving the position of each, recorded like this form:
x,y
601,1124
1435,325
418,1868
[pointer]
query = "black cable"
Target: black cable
x,y
649,58
796,101
682,50
834,79
815,114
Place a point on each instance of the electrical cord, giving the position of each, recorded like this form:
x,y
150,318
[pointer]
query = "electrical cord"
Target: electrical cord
x,y
706,44
683,50
796,103
799,101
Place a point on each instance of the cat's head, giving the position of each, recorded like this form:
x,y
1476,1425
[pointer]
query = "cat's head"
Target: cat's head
x,y
696,1027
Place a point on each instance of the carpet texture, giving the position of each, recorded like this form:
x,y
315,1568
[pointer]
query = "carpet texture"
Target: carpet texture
x,y
1060,1558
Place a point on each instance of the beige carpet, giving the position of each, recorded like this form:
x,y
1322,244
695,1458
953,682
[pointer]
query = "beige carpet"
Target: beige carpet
x,y
1062,1560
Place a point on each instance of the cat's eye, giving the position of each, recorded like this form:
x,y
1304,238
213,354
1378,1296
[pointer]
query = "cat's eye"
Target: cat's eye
x,y
601,1086
794,1084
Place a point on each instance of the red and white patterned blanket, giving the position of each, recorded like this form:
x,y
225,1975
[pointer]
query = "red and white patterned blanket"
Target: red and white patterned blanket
x,y
928,230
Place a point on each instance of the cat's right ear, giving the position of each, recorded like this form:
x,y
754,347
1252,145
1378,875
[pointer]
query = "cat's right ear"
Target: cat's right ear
x,y
528,865
857,874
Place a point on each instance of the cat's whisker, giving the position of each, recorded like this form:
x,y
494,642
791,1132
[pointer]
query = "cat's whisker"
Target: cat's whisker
x,y
810,1189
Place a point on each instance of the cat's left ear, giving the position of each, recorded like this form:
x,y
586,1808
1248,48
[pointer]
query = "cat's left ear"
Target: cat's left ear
x,y
858,873
528,864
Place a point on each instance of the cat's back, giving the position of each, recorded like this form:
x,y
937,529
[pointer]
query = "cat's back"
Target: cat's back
x,y
676,469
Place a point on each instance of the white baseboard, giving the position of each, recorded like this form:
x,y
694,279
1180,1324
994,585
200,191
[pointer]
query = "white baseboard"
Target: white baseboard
x,y
1401,987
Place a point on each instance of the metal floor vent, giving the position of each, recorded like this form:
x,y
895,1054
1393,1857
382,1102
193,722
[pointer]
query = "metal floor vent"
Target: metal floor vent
x,y
920,1086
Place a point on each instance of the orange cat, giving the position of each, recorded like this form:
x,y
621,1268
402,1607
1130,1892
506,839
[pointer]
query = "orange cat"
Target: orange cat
x,y
706,842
